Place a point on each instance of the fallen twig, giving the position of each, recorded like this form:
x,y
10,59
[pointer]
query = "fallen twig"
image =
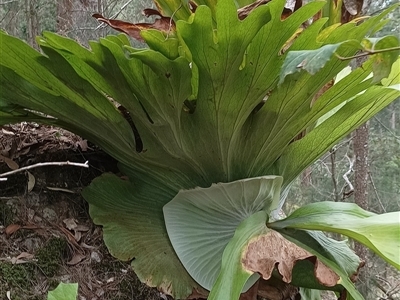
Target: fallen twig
x,y
45,164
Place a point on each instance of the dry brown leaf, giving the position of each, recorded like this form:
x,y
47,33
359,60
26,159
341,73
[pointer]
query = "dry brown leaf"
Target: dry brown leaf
x,y
70,223
77,235
70,238
246,10
10,229
81,228
165,24
272,250
22,258
24,151
31,226
87,246
10,163
354,7
6,132
31,181
83,144
77,258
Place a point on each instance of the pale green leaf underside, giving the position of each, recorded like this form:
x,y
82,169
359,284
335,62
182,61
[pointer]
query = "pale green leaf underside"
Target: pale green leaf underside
x,y
200,222
233,278
380,233
310,294
64,291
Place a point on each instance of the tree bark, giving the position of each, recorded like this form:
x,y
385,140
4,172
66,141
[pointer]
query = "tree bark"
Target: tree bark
x,y
361,167
32,22
10,19
392,116
64,16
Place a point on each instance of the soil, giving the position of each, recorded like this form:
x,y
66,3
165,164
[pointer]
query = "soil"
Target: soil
x,y
46,234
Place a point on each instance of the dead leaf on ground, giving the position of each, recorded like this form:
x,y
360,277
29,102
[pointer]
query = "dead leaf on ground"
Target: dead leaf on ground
x,y
70,239
72,224
77,258
10,163
22,258
273,250
12,228
7,132
83,144
31,181
164,24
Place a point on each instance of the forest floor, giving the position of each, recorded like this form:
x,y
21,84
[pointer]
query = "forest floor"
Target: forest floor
x,y
46,234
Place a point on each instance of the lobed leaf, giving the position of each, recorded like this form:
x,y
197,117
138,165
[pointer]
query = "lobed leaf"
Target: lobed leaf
x,y
202,221
380,233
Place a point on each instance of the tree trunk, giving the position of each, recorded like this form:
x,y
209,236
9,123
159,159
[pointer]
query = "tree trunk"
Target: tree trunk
x,y
392,116
361,185
32,23
10,19
64,16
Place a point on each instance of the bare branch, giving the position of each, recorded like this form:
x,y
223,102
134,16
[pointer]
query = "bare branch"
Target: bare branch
x,y
376,192
62,163
387,129
367,52
7,2
114,15
333,173
345,177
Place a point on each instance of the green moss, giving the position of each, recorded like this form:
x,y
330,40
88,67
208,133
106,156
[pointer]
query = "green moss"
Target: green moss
x,y
16,275
50,256
6,214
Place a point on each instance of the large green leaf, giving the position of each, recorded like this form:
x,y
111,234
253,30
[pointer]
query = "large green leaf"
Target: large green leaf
x,y
313,60
255,249
200,108
380,233
383,61
64,291
28,81
200,222
233,278
134,230
352,114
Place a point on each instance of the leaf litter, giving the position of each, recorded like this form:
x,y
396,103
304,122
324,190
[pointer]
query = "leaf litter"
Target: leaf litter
x,y
25,230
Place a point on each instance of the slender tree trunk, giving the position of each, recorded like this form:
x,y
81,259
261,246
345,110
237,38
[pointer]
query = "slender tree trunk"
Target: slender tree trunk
x,y
10,19
64,16
32,23
99,7
392,116
361,185
306,178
